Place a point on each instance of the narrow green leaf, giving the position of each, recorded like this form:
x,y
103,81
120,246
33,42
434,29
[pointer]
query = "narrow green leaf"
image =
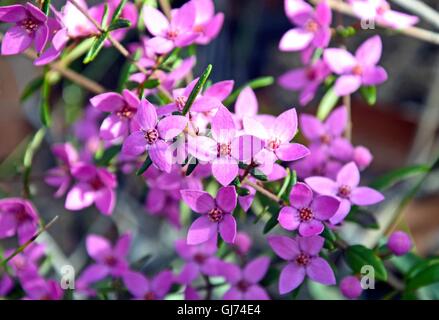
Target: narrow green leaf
x,y
197,89
45,116
46,7
369,94
425,277
105,158
31,88
105,17
254,84
242,192
151,84
327,103
31,148
258,174
118,11
358,256
271,223
289,181
119,24
193,163
420,266
96,47
146,164
393,177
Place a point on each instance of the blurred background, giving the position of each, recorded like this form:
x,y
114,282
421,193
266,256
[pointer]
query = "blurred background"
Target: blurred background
x,y
401,129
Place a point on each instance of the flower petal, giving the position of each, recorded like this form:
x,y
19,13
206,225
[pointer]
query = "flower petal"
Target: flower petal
x,y
225,170
201,230
155,21
295,40
246,103
108,102
198,201
337,121
311,245
320,271
146,115
136,283
171,126
15,40
289,218
339,60
97,247
227,228
285,247
364,196
105,200
256,292
312,128
79,197
301,196
349,175
226,198
324,207
223,126
161,155
311,228
256,269
369,52
322,185
285,126
134,144
291,151
291,276
347,84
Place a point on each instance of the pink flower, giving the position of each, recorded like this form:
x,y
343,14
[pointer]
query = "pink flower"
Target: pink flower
x,y
207,24
153,135
306,80
346,189
122,108
94,186
350,287
399,243
303,260
277,135
244,283
170,34
30,26
18,216
216,215
313,26
25,264
357,70
60,177
109,260
380,11
226,149
199,259
145,289
307,213
41,289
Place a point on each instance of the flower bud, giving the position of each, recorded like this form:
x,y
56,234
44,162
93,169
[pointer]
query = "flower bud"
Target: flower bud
x,y
399,243
362,157
350,287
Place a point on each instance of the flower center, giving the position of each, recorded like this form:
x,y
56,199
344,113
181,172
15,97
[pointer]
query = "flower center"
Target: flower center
x,y
311,26
21,215
151,135
126,112
224,149
305,214
30,25
273,144
180,102
302,259
325,138
344,191
215,215
199,28
172,34
311,74
200,258
96,183
357,70
149,296
243,285
111,261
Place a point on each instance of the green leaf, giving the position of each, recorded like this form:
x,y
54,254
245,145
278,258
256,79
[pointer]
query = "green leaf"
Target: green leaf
x,y
127,69
254,84
242,191
420,266
108,155
289,181
31,88
393,177
327,103
272,222
31,148
45,116
193,162
119,24
197,89
96,47
358,256
46,7
258,174
424,277
118,11
369,94
151,84
105,17
146,164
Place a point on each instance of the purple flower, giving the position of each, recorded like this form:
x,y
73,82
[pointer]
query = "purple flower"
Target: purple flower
x,y
346,189
350,287
307,213
313,27
122,108
6,285
25,264
207,24
152,135
30,26
277,135
198,259
60,177
303,260
41,289
142,288
109,260
226,148
94,185
170,34
399,243
362,157
380,11
18,216
306,80
242,243
244,283
216,214
357,70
